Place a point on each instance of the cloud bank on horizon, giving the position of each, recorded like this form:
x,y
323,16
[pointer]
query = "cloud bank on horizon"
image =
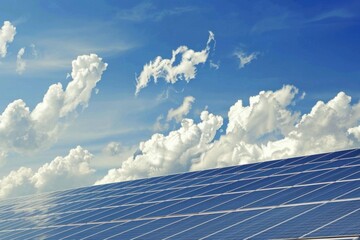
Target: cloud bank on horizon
x,y
327,127
72,170
265,129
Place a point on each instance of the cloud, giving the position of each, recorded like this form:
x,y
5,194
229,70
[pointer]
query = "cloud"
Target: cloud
x,y
148,11
159,126
168,154
7,34
179,113
22,130
355,131
335,13
20,62
34,52
70,171
214,65
266,129
244,58
113,148
112,155
165,68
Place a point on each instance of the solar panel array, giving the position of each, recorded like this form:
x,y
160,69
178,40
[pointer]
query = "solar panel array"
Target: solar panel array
x,y
303,197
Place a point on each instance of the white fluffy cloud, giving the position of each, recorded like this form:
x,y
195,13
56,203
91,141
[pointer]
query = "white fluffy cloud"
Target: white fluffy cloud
x,y
179,113
70,171
7,34
22,130
168,154
245,58
20,62
265,129
165,68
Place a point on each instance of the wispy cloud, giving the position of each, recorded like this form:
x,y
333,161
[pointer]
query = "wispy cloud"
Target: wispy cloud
x,y
335,13
180,112
20,62
165,68
148,11
244,58
215,65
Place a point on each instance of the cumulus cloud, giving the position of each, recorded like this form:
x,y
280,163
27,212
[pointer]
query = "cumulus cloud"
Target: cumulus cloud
x,y
171,153
244,58
22,130
272,131
165,68
179,113
70,171
20,62
265,129
355,131
7,34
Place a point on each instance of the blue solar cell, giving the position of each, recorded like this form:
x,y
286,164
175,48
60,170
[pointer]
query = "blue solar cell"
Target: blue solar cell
x,y
169,229
301,168
243,200
334,175
298,178
215,179
309,221
355,175
210,202
176,193
338,163
218,222
345,226
307,159
149,226
90,229
267,172
114,229
257,224
350,154
10,235
333,155
201,190
142,212
175,208
286,162
150,197
352,194
240,176
260,183
237,169
229,187
284,196
328,192
218,203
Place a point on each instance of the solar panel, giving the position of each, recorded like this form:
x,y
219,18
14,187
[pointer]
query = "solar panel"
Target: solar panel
x,y
310,197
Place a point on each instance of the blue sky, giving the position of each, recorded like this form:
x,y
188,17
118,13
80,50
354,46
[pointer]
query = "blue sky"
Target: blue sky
x,y
311,46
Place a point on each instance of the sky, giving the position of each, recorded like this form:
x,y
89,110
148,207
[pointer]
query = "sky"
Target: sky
x,y
96,92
